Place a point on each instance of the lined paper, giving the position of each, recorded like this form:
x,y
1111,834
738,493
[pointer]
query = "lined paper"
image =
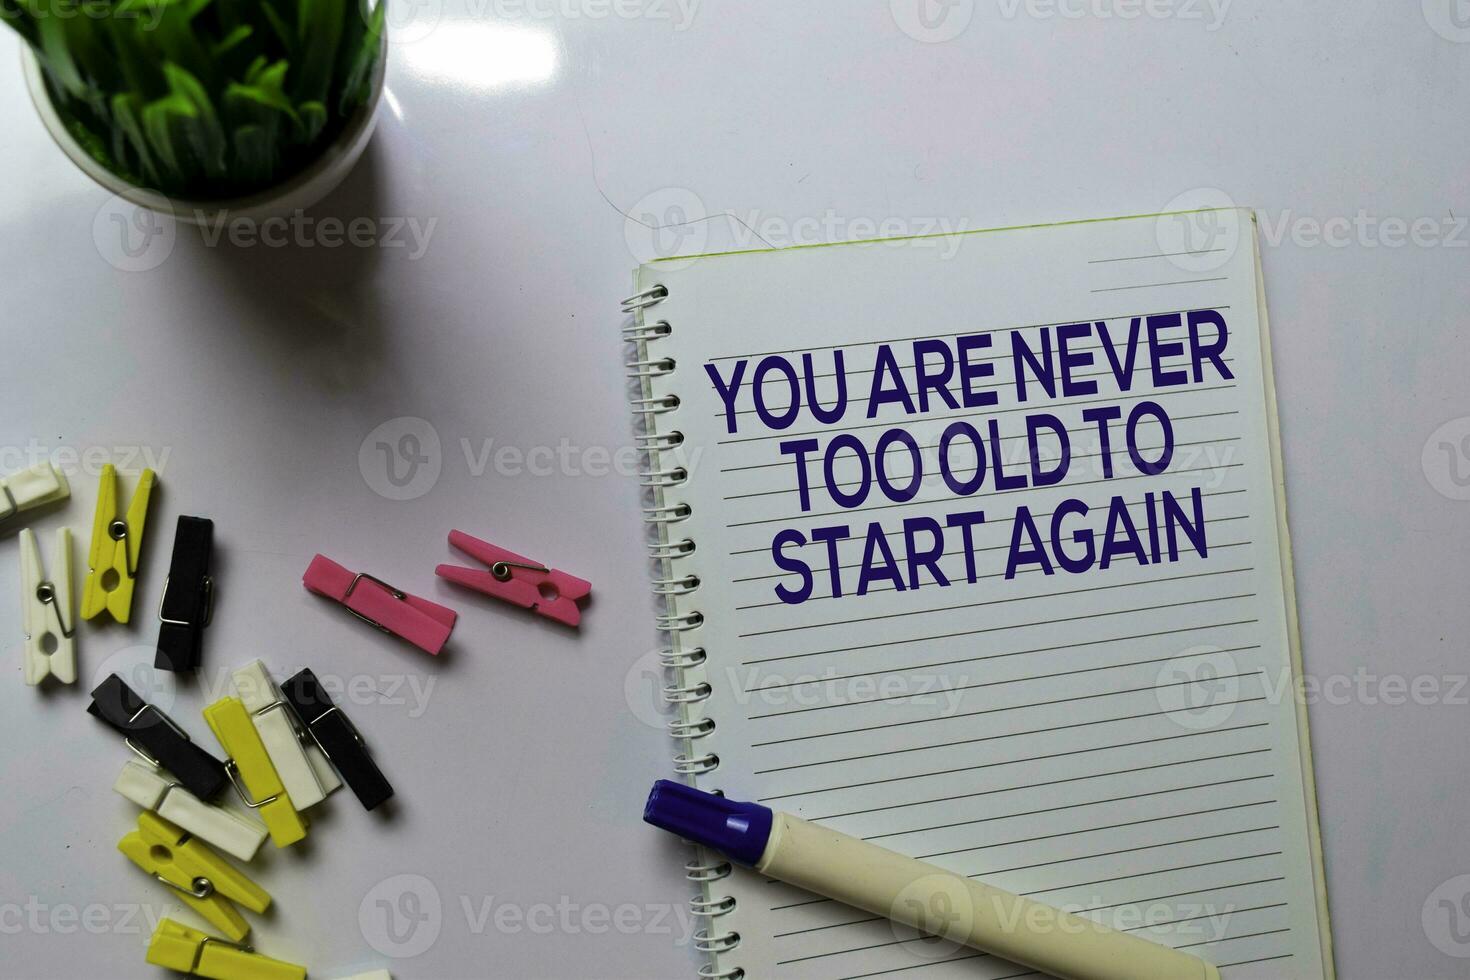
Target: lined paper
x,y
1124,741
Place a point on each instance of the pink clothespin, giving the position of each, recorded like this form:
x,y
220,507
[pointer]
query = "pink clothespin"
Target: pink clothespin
x,y
519,580
425,624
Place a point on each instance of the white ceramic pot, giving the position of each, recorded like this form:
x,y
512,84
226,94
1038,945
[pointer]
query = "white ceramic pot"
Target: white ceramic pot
x,y
296,193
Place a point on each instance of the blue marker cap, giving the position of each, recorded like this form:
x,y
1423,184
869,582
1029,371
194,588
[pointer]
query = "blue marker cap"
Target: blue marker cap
x,y
737,830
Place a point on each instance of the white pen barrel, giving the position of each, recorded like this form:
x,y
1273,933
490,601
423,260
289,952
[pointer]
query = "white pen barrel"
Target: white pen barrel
x,y
941,903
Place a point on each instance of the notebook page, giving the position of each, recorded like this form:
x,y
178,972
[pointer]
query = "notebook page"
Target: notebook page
x,y
1067,672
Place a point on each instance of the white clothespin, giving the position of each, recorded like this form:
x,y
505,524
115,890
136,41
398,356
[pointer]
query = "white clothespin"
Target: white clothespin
x,y
46,610
370,975
40,484
304,770
228,831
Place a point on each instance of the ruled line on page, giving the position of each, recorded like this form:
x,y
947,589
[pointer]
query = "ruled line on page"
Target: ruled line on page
x,y
1020,598
949,498
1002,522
1094,829
1051,782
1141,365
1205,733
953,717
989,602
966,333
946,636
935,445
969,413
1072,806
1158,285
891,669
993,738
982,685
897,478
1156,255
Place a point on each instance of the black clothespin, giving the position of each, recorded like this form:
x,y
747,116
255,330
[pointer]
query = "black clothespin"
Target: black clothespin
x,y
337,737
154,736
188,596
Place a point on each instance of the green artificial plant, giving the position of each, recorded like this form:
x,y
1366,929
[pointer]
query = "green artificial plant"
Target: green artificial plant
x,y
203,99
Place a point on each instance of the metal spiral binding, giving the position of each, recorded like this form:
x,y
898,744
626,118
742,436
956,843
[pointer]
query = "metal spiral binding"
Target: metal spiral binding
x,y
688,689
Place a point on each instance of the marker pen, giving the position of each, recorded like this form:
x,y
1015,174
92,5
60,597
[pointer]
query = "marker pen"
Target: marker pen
x,y
916,894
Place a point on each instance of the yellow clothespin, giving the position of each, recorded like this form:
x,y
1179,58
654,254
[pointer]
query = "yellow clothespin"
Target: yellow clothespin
x,y
177,947
249,761
206,882
116,544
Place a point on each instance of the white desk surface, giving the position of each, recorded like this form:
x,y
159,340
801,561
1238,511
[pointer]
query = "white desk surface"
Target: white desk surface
x,y
526,131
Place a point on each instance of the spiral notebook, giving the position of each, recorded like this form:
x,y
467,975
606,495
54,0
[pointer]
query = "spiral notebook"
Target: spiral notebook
x,y
975,546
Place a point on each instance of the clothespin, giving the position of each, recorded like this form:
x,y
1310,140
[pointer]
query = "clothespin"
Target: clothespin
x,y
151,790
117,543
154,737
188,596
206,882
32,487
304,770
46,610
370,975
177,947
425,624
337,737
249,762
518,580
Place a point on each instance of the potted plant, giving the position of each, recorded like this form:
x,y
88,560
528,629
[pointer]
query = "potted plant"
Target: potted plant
x,y
205,107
